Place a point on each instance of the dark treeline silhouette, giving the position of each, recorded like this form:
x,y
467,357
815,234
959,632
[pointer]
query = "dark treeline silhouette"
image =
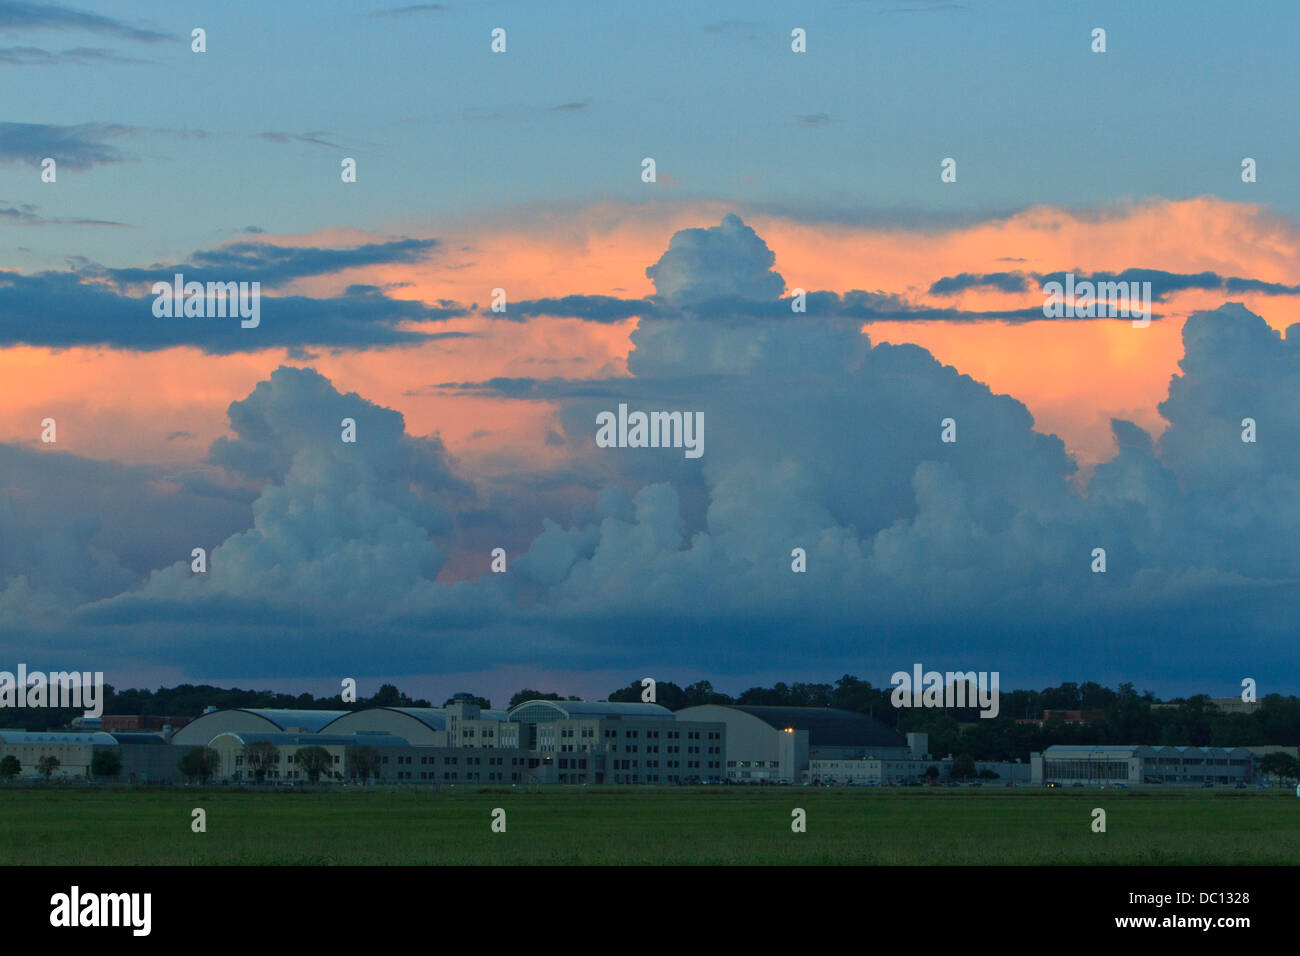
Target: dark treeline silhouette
x,y
1127,716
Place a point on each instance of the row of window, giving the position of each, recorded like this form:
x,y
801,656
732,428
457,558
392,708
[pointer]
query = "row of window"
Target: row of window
x,y
272,758
475,777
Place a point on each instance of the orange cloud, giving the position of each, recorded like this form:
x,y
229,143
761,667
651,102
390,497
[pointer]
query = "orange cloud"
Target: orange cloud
x,y
1073,376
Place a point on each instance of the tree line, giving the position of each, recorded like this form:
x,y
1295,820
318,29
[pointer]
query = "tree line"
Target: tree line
x,y
1127,717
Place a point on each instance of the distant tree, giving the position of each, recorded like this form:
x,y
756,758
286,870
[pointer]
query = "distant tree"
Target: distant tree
x,y
1280,764
1065,697
387,696
778,695
963,767
47,765
932,772
667,694
702,692
482,702
10,767
850,693
530,694
810,695
259,757
200,763
1092,696
987,774
105,763
313,761
362,762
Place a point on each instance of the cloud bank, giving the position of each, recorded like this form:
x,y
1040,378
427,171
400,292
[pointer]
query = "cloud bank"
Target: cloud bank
x,y
977,552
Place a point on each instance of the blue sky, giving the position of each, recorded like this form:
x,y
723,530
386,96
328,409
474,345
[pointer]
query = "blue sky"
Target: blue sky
x,y
441,127
776,171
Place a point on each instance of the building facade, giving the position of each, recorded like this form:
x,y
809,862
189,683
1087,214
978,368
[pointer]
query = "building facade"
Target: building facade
x,y
777,744
1066,765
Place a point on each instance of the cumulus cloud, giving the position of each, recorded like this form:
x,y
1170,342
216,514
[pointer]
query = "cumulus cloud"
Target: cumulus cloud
x,y
71,527
977,552
351,524
728,259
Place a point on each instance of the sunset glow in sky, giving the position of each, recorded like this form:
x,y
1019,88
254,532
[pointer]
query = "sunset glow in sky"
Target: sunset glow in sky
x,y
777,173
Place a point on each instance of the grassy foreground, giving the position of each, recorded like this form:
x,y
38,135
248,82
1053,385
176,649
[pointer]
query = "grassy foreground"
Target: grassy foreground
x,y
560,825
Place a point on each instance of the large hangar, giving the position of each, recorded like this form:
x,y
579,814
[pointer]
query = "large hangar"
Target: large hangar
x,y
775,744
421,726
459,724
199,732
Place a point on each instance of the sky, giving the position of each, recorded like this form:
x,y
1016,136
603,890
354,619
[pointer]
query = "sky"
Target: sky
x,y
776,172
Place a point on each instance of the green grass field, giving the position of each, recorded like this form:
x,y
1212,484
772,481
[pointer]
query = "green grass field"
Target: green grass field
x,y
94,826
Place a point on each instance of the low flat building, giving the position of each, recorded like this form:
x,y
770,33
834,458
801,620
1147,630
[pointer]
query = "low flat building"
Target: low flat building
x,y
124,723
1081,717
1234,705
74,751
396,760
1088,764
902,772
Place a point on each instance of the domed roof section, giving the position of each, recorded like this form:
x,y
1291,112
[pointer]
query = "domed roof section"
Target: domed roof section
x,y
540,711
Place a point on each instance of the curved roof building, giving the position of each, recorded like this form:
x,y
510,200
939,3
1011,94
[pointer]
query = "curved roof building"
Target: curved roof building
x,y
200,731
309,740
776,743
541,711
415,724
